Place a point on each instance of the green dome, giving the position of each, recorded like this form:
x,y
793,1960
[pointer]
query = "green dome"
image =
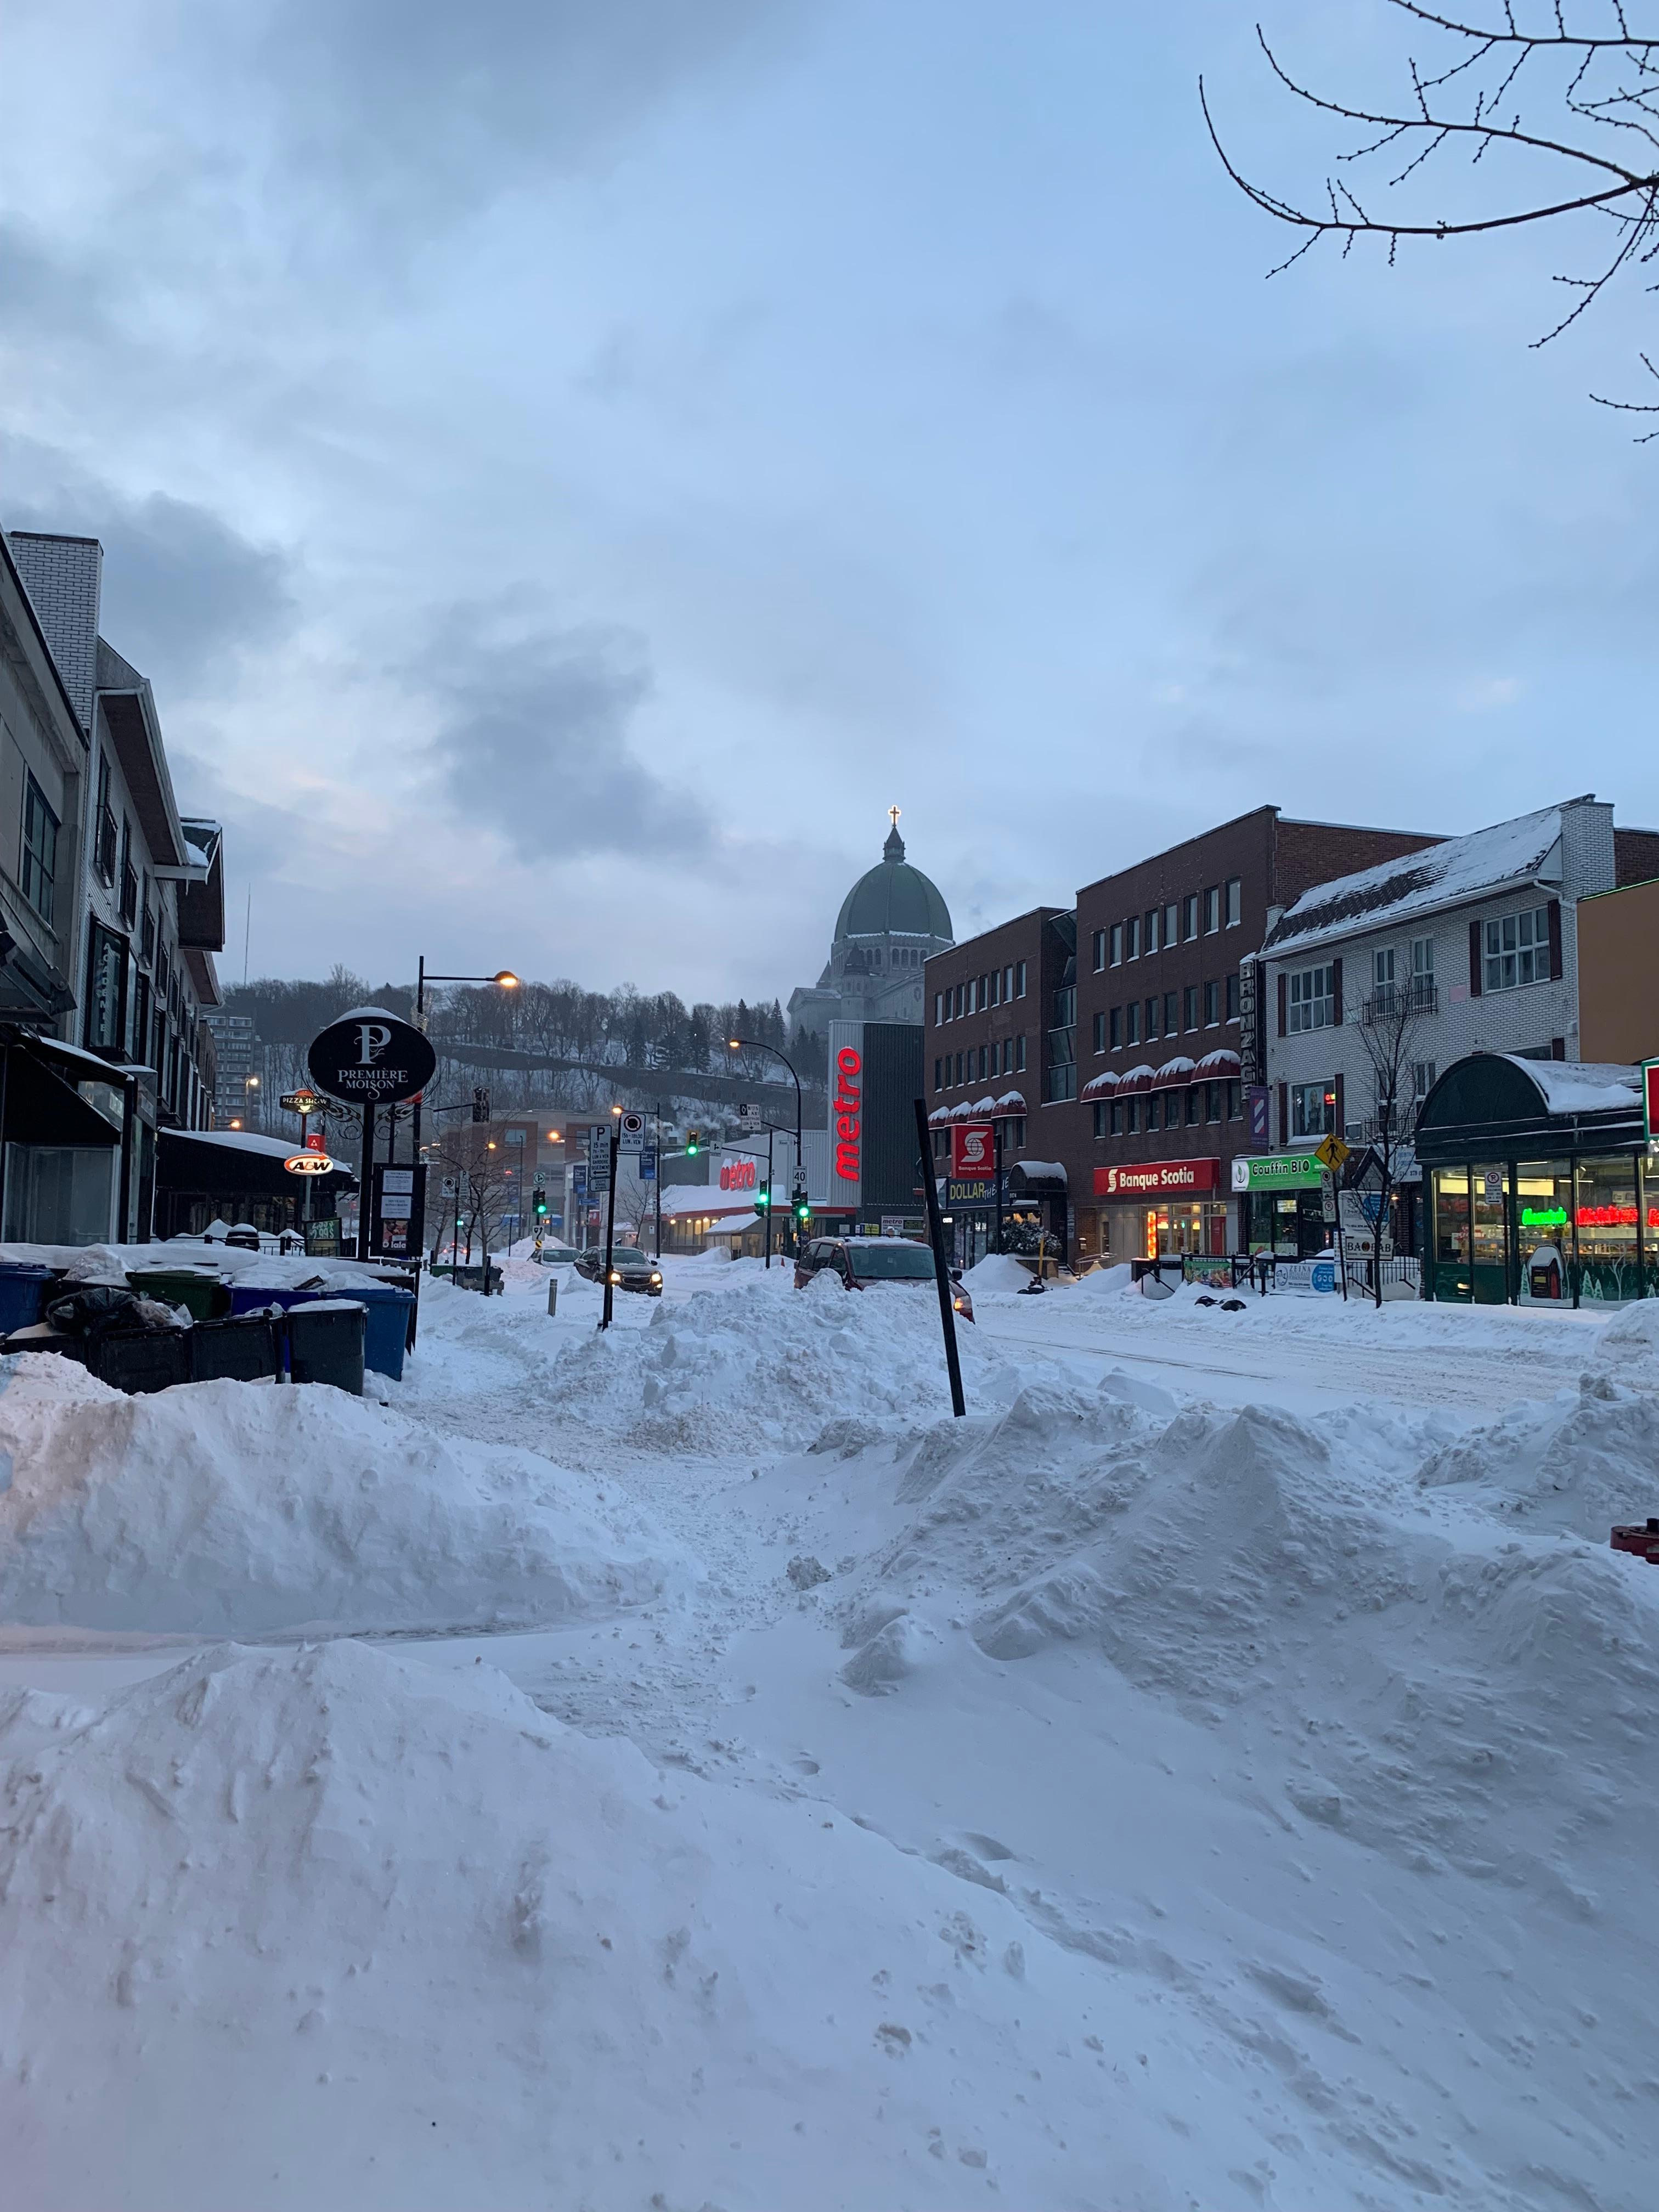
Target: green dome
x,y
894,898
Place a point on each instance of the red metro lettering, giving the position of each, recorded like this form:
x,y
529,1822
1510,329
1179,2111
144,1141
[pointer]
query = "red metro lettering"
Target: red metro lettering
x,y
738,1174
848,1111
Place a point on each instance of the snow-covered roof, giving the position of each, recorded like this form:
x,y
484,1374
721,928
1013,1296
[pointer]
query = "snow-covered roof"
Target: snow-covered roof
x,y
242,1140
1137,1078
1423,883
1579,1087
692,1198
736,1226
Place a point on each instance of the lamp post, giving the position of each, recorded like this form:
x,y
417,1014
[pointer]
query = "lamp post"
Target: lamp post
x,y
503,979
753,1044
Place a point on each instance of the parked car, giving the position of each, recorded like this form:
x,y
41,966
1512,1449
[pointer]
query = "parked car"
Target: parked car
x,y
858,1262
558,1255
630,1269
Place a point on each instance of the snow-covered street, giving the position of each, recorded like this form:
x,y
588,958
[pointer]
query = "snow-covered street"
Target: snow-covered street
x,y
683,1768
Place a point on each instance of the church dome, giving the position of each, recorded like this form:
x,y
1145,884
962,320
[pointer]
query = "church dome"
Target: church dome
x,y
893,898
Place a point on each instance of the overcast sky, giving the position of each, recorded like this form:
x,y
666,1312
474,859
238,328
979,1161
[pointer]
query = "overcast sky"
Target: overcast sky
x,y
567,469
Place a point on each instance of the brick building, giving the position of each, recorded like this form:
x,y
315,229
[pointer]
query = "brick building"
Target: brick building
x,y
1168,1034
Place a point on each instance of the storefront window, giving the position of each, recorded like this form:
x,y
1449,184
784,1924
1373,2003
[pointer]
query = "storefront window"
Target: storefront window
x,y
1452,1278
1543,1220
1607,1222
1490,1247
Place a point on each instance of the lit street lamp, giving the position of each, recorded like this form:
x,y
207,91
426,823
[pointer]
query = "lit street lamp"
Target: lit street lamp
x,y
503,979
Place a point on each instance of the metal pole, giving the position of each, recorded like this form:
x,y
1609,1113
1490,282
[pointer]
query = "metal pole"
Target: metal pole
x,y
611,1224
419,1023
997,1128
659,1191
947,1314
367,1182
769,1195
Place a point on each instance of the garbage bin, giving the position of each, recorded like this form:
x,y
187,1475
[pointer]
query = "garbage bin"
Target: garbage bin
x,y
386,1332
244,1350
141,1360
22,1293
325,1343
204,1296
248,1297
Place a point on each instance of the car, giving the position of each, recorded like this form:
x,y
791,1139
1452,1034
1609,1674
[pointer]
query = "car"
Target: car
x,y
858,1262
557,1256
630,1269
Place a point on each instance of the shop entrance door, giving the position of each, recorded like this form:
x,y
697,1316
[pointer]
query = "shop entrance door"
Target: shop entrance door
x,y
1489,1192
1450,1260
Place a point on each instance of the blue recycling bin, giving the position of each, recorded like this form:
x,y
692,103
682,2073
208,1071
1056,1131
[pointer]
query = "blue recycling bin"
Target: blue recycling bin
x,y
386,1331
22,1293
247,1298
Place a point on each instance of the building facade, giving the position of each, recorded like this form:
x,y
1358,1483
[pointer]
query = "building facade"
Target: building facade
x,y
136,897
891,924
1619,966
1375,983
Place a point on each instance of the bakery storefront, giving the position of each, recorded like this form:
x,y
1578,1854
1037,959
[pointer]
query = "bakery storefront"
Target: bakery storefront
x,y
1162,1209
1281,1204
1540,1185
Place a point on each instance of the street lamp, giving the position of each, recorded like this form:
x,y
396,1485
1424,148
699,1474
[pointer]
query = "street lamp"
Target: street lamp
x,y
753,1044
503,979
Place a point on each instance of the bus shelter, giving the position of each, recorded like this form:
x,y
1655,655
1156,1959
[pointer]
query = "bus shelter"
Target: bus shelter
x,y
1537,1184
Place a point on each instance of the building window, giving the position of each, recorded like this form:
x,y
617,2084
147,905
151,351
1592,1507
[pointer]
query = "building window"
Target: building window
x,y
1518,949
1171,926
939,1078
40,866
1235,901
958,1077
1422,958
984,992
1131,936
1133,1012
1100,1032
1099,942
1019,1067
939,1009
1422,1077
1212,1005
1232,998
1194,1104
1171,1014
1190,917
1117,945
1016,1133
1117,1030
1215,1101
1101,1112
1212,911
1235,1102
1152,1021
1172,1114
1149,931
1311,1002
1313,1109
984,1063
1116,1113
1383,970
1019,979
1189,1007
1132,1115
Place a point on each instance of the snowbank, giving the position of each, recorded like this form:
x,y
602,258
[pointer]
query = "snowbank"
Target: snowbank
x,y
997,1271
327,1927
232,1508
1411,1677
1109,1282
1628,1349
756,1366
1587,1459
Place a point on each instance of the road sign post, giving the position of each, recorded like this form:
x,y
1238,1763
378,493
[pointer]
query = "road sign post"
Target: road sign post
x,y
1331,1152
609,1221
369,1058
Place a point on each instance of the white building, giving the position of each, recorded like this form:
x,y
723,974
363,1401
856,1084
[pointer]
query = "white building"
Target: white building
x,y
1471,946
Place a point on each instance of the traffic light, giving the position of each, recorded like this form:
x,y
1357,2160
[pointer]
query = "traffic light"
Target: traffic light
x,y
480,1103
693,1143
763,1198
803,1210
538,1200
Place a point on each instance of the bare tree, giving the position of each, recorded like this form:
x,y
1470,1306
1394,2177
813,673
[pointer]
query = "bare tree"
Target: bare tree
x,y
1582,69
1390,1026
480,1193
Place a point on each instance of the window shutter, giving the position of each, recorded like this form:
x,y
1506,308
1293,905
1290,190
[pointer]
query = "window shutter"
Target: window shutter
x,y
1282,980
1341,1109
1555,940
1284,1108
1474,960
1336,997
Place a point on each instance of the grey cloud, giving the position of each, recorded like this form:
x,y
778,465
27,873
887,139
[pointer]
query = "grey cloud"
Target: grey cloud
x,y
421,108
183,590
533,733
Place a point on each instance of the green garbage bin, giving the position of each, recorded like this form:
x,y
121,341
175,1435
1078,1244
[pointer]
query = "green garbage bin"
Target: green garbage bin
x,y
325,1343
204,1296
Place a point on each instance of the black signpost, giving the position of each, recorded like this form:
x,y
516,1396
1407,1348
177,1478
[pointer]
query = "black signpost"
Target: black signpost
x,y
369,1058
611,1224
947,1314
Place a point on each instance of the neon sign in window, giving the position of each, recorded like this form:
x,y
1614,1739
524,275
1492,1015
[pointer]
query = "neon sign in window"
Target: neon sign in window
x,y
1589,1217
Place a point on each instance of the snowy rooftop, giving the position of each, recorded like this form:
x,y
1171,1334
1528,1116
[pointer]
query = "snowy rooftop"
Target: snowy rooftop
x,y
1422,883
1581,1087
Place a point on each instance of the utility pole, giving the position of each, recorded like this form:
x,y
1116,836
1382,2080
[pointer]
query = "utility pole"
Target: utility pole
x,y
611,1224
657,1127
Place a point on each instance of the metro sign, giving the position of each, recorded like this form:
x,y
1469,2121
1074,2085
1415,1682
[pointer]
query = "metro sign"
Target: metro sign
x,y
1650,1098
738,1174
847,1128
973,1149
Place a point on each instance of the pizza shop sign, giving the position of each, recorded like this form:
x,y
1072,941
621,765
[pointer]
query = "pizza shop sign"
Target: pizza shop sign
x,y
1159,1179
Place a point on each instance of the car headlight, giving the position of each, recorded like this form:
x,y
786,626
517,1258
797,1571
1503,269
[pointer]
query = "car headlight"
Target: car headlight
x,y
656,1277
615,1277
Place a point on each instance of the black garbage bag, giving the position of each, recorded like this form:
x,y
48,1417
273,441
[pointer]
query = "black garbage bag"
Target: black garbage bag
x,y
91,1312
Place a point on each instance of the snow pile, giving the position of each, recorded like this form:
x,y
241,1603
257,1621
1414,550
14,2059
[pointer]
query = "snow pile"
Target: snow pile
x,y
1628,1349
326,1927
1109,1282
753,1368
997,1271
227,1507
1584,1460
1413,1679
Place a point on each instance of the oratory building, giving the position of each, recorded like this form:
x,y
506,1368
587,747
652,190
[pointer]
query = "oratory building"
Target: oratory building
x,y
891,923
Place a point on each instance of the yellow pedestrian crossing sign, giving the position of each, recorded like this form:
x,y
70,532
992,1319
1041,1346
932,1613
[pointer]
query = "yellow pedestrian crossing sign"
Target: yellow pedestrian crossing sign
x,y
1332,1152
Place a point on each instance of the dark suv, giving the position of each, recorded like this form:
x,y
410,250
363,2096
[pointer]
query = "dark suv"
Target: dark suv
x,y
630,1269
858,1262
